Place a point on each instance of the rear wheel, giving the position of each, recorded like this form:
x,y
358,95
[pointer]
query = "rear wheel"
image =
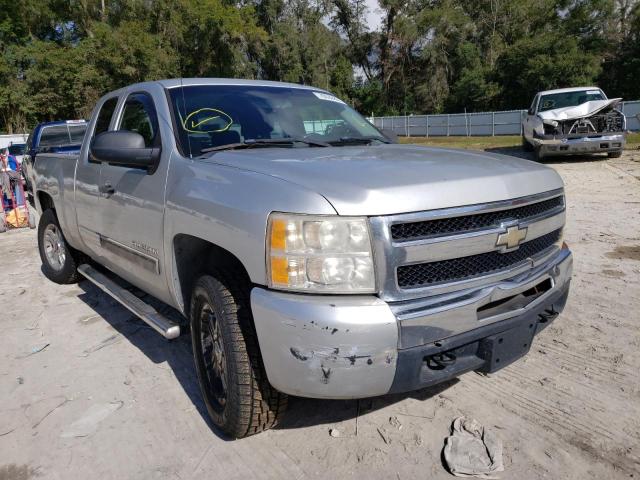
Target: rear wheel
x,y
617,154
237,394
59,260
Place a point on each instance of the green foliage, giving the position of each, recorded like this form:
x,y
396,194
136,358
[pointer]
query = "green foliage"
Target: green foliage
x,y
59,56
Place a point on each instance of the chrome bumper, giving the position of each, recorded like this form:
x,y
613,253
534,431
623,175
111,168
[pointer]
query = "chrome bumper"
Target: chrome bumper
x,y
576,146
348,346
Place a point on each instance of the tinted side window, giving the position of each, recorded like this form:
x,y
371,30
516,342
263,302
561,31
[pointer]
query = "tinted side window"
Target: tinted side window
x,y
104,117
139,115
54,136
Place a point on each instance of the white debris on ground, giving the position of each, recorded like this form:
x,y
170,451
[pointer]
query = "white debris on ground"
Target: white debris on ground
x,y
472,450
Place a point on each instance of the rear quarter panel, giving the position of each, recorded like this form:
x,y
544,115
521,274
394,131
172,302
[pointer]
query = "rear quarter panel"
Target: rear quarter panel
x,y
54,174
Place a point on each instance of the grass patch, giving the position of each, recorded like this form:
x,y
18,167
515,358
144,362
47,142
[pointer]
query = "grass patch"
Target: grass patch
x,y
483,143
474,143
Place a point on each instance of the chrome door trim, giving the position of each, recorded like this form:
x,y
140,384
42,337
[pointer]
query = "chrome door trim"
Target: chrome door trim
x,y
146,261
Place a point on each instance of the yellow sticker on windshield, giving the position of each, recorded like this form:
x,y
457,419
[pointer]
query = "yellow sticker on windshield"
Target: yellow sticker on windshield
x,y
207,120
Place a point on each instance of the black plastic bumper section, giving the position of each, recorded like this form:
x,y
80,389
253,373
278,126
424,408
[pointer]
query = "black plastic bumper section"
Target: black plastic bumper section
x,y
486,349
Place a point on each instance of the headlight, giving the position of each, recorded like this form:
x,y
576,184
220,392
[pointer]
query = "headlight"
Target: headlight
x,y
323,254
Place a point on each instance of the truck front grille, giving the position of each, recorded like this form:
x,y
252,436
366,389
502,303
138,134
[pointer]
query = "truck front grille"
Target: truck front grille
x,y
403,232
431,273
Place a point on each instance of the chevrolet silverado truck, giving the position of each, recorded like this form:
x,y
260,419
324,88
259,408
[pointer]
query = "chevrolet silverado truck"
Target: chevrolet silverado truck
x,y
305,252
574,121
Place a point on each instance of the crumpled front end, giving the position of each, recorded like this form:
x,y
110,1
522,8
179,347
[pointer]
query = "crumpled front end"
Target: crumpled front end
x,y
601,130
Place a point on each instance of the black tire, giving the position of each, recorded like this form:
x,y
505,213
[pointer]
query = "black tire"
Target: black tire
x,y
3,224
536,154
526,146
238,396
65,269
617,154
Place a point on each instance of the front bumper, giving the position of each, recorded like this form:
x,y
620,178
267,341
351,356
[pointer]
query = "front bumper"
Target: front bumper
x,y
577,146
360,346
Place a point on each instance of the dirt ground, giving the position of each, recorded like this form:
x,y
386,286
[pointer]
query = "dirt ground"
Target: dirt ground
x,y
88,391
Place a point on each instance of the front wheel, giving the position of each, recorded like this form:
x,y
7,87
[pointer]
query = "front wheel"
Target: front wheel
x,y
526,146
238,396
58,258
617,154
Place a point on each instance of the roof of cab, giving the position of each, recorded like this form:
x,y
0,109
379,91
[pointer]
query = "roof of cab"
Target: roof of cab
x,y
178,82
572,89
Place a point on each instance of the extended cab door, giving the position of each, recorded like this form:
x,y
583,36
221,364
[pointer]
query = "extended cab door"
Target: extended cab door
x,y
87,194
132,204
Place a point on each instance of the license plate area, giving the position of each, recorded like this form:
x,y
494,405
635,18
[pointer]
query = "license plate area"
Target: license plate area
x,y
504,348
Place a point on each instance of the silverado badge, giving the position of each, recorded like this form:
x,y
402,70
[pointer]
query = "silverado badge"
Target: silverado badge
x,y
511,238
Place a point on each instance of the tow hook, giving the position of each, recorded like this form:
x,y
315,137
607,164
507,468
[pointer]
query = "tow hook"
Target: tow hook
x,y
440,361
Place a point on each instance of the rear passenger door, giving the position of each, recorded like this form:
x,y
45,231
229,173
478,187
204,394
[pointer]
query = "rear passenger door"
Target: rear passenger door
x,y
87,194
132,204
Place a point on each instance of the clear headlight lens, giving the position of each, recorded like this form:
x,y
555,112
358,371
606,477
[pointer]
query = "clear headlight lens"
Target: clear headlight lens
x,y
319,254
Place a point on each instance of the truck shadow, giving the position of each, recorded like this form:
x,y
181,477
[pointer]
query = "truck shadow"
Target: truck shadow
x,y
306,412
178,355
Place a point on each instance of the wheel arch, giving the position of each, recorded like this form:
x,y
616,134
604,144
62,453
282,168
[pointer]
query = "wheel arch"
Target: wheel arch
x,y
194,256
44,201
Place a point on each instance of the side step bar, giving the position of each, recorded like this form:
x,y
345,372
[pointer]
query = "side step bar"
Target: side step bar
x,y
146,312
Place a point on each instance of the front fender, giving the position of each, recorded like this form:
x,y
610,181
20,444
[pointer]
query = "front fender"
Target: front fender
x,y
229,207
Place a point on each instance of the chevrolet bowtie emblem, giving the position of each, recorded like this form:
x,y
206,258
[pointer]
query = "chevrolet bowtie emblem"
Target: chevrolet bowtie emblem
x,y
512,237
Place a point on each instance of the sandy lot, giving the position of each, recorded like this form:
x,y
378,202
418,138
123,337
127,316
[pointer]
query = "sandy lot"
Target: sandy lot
x,y
88,391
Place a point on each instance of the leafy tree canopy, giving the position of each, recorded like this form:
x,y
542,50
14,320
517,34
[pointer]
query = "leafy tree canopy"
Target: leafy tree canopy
x,y
60,56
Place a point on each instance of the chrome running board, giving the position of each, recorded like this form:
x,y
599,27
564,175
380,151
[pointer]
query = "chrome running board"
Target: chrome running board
x,y
144,311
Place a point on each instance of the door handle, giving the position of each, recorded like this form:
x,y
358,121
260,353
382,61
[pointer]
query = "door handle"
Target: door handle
x,y
107,189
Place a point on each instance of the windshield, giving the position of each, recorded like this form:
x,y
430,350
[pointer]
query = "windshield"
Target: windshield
x,y
569,99
216,115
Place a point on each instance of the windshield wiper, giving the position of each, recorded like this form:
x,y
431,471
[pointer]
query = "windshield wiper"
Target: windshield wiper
x,y
265,142
358,140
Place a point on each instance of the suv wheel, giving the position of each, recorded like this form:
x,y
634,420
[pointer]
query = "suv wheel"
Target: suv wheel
x,y
59,260
238,396
526,146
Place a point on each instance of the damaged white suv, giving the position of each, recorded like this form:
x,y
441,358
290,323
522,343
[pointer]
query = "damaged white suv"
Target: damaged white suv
x,y
574,121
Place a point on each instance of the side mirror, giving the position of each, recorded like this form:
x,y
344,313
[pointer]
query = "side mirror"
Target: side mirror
x,y
390,134
124,149
530,111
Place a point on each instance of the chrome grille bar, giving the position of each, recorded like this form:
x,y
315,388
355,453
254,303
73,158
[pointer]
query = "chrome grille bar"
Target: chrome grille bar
x,y
393,254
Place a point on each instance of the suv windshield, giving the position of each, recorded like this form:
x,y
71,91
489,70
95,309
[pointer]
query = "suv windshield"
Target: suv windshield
x,y
568,99
210,116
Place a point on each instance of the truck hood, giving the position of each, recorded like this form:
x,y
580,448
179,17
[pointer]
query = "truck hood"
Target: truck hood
x,y
585,109
392,179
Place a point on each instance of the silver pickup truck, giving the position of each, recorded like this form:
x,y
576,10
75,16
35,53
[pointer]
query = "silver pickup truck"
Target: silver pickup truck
x,y
307,254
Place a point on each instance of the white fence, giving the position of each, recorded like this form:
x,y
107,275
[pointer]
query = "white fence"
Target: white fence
x,y
476,124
